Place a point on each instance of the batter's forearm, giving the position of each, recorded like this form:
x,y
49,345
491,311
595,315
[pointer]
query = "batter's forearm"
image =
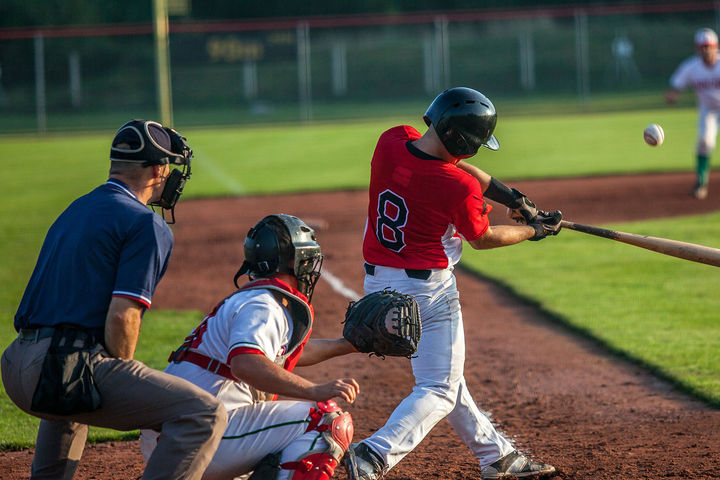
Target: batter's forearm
x,y
503,236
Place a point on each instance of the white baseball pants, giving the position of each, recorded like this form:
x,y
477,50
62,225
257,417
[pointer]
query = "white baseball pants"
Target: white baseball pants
x,y
252,432
440,390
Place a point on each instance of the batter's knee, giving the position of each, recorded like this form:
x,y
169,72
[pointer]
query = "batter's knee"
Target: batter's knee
x,y
443,395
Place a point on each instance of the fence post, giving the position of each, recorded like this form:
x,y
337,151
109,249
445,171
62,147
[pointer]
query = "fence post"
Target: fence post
x,y
304,74
40,97
75,79
430,64
527,59
443,49
3,100
250,81
581,55
339,68
162,61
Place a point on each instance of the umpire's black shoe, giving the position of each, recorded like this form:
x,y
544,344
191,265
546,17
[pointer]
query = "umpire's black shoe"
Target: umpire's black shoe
x,y
362,463
516,465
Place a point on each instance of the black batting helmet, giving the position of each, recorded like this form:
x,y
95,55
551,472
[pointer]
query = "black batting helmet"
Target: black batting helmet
x,y
464,119
282,243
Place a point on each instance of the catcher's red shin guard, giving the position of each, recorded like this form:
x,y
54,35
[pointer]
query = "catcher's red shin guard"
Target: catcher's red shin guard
x,y
336,428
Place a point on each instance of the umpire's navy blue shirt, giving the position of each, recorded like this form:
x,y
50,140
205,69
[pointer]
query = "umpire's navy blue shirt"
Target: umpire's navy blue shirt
x,y
106,243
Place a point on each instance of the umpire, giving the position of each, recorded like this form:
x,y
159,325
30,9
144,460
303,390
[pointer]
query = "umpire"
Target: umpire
x,y
79,319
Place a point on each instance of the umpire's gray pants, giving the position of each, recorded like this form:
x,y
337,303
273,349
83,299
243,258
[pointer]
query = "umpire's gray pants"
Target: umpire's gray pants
x,y
134,396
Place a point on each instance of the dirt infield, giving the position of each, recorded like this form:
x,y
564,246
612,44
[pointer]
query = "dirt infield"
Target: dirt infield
x,y
559,396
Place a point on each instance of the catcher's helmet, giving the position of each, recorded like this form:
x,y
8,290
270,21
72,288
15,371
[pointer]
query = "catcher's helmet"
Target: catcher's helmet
x,y
464,119
282,243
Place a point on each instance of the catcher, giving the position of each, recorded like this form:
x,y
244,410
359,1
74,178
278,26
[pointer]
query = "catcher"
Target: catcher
x,y
244,353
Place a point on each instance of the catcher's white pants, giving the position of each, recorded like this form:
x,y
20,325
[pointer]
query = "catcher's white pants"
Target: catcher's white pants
x,y
440,390
252,432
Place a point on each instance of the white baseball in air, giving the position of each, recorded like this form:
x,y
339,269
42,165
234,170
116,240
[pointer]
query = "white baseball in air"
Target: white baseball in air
x,y
654,135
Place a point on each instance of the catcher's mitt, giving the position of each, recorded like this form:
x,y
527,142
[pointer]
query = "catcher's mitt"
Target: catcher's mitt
x,y
384,323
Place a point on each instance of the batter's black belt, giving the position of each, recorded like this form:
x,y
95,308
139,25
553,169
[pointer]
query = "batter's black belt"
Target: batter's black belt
x,y
417,274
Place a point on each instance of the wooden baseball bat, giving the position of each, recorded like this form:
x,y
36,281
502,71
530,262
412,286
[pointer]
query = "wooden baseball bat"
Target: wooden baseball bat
x,y
687,251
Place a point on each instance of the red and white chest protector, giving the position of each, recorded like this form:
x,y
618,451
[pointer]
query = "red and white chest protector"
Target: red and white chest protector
x,y
419,207
265,317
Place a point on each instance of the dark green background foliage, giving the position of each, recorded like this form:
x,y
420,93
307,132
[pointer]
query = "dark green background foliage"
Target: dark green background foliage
x,y
73,12
238,73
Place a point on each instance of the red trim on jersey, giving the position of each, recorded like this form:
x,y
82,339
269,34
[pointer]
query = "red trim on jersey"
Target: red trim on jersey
x,y
192,341
243,350
294,357
413,203
137,299
276,282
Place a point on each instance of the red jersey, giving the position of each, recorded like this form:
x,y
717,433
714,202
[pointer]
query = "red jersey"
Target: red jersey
x,y
418,205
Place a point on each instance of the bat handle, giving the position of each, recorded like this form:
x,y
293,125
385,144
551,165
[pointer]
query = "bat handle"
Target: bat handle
x,y
600,232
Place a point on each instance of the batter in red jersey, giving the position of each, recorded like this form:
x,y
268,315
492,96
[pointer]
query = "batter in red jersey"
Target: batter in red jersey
x,y
418,204
423,202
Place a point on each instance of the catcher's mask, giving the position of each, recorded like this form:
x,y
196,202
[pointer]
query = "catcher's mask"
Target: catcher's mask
x,y
149,143
464,119
282,244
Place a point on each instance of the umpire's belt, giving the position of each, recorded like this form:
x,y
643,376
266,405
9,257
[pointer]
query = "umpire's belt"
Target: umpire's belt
x,y
35,333
90,335
418,274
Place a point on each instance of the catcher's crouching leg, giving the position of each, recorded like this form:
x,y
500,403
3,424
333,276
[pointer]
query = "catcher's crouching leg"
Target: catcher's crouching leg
x,y
316,454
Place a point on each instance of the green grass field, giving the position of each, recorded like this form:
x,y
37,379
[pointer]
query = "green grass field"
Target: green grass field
x,y
659,311
656,310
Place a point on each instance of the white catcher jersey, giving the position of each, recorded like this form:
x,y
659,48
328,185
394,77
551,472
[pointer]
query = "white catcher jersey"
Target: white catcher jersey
x,y
693,73
250,321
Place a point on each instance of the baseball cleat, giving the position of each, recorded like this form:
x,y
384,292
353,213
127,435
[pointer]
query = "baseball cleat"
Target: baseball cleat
x,y
361,463
516,465
700,191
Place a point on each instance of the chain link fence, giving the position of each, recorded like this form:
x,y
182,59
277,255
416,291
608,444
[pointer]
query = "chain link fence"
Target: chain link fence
x,y
222,73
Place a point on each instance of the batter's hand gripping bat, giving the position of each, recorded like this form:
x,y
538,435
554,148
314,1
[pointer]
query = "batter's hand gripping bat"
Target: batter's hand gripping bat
x,y
687,251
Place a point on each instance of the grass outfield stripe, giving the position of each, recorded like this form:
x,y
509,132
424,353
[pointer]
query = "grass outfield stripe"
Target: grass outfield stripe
x,y
232,185
656,310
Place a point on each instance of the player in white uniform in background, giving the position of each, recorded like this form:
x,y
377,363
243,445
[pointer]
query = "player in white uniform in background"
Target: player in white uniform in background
x,y
702,73
244,353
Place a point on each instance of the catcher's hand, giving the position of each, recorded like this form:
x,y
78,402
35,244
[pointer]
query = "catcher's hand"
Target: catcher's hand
x,y
522,210
384,323
546,223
